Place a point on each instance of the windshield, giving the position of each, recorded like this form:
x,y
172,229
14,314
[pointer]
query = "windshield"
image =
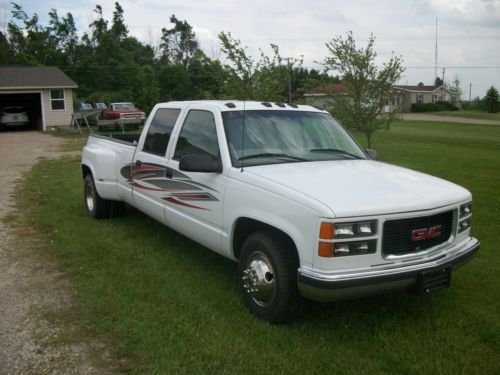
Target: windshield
x,y
124,106
13,110
286,136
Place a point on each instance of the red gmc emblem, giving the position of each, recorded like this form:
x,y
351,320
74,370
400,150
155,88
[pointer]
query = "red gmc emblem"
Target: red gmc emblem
x,y
425,234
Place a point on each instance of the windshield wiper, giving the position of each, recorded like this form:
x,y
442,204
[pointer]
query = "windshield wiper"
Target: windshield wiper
x,y
271,155
335,151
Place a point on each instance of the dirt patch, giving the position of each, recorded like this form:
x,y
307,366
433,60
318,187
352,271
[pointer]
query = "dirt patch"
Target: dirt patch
x,y
34,295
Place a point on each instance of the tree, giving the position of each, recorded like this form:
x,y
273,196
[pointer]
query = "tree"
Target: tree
x,y
174,82
179,43
367,87
99,26
438,82
242,68
207,77
64,35
491,100
7,56
118,28
31,42
265,79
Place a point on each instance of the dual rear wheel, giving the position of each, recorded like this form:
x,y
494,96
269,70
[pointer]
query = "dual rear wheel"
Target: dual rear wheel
x,y
95,206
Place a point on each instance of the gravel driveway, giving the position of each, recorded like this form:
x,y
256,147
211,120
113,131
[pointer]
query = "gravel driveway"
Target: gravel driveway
x,y
32,290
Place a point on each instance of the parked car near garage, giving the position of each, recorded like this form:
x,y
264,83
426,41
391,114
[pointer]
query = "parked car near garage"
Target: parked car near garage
x,y
13,117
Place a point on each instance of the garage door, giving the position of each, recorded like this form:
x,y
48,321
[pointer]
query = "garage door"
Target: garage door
x,y
31,103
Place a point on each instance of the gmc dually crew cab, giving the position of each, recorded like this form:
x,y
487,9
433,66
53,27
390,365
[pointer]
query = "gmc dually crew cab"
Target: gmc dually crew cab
x,y
286,192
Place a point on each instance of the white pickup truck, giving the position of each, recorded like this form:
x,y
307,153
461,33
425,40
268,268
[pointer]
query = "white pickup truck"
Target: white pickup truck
x,y
286,192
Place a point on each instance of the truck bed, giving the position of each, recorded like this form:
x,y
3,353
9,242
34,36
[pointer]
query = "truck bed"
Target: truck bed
x,y
129,139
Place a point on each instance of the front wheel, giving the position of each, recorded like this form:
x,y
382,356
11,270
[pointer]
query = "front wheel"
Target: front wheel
x,y
267,273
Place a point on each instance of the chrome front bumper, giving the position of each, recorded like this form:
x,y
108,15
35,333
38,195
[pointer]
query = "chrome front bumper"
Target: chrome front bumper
x,y
329,286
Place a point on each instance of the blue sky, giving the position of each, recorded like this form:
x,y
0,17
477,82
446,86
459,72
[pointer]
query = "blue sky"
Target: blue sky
x,y
468,30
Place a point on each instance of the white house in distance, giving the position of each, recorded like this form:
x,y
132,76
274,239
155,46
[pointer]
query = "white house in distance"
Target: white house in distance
x,y
46,93
401,98
422,94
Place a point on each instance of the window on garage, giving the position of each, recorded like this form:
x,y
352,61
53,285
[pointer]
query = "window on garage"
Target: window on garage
x,y
57,100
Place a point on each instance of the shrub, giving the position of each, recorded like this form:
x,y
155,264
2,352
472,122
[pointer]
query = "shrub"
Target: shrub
x,y
433,107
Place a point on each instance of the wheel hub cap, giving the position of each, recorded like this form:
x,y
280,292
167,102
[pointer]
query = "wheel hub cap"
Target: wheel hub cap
x,y
258,279
89,198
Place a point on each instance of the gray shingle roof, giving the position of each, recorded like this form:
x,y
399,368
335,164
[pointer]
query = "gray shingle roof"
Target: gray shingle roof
x,y
34,77
422,88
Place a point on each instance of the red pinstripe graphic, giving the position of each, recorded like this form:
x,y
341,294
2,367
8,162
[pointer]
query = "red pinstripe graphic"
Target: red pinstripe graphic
x,y
194,197
179,203
137,185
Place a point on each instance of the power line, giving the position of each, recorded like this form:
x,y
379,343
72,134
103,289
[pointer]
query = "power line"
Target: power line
x,y
453,67
396,38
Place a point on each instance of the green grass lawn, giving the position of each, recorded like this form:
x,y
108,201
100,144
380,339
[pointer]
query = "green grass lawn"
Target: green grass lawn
x,y
470,114
167,305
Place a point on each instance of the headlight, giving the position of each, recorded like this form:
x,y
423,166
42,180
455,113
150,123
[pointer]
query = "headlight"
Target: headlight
x,y
465,210
355,248
464,217
342,239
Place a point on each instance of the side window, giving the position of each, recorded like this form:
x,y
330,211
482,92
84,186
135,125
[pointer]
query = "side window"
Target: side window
x,y
159,131
198,135
57,100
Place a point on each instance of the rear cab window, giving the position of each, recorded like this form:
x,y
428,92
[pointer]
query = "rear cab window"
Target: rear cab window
x,y
160,130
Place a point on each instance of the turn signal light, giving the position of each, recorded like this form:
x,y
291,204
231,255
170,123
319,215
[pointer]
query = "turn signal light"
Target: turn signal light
x,y
325,249
326,231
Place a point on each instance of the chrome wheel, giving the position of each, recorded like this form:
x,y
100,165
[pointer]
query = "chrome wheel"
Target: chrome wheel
x,y
89,197
258,279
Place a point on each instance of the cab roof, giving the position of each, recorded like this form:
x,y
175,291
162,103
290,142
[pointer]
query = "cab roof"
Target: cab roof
x,y
238,105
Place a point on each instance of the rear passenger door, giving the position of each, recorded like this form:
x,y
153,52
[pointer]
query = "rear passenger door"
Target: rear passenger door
x,y
195,208
148,173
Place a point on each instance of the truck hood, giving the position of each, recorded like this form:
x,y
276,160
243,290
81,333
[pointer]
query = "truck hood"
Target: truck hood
x,y
363,187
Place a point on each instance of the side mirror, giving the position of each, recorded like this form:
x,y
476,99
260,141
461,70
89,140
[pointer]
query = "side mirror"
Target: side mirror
x,y
372,154
200,163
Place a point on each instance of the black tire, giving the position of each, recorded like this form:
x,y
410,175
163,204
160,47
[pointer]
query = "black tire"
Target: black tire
x,y
95,206
267,273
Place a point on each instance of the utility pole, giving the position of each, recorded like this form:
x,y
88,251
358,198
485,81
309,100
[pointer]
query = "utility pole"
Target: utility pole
x,y
436,52
470,91
289,78
443,75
